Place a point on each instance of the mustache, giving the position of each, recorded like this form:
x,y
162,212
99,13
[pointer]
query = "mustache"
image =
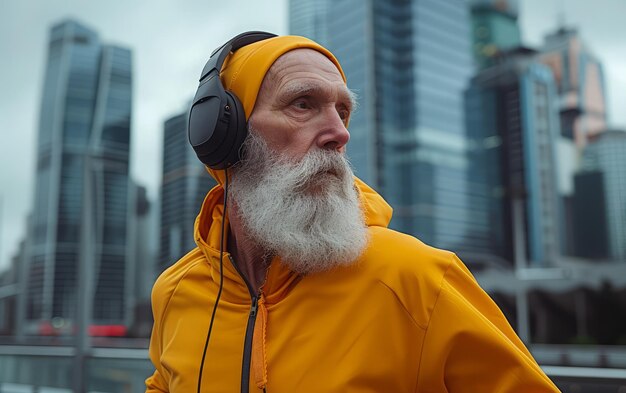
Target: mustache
x,y
317,165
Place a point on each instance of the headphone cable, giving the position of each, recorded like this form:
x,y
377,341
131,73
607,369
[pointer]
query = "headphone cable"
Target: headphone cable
x,y
219,292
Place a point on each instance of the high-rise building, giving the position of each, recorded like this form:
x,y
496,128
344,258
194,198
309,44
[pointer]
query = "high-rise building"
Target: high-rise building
x,y
185,183
580,82
81,200
494,29
582,108
513,125
10,279
308,18
146,230
589,218
409,62
8,301
605,156
569,160
145,244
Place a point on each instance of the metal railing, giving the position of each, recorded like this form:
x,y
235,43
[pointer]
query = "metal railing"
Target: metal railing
x,y
50,368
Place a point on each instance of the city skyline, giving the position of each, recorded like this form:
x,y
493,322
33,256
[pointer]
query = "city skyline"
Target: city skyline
x,y
177,73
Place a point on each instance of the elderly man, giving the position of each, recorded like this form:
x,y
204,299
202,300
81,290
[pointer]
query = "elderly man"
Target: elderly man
x,y
298,285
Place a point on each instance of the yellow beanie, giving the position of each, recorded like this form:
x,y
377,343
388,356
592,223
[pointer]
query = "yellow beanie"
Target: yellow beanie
x,y
244,70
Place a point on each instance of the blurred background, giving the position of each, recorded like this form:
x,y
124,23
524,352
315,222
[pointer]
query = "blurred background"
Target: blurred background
x,y
496,129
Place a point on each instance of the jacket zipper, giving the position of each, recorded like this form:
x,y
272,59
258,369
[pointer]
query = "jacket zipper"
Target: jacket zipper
x,y
247,346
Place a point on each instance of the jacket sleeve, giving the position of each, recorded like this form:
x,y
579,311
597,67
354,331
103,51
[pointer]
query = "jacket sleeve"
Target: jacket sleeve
x,y
470,347
156,384
158,381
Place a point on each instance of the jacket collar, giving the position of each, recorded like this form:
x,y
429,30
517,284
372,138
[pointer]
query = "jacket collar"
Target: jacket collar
x,y
280,280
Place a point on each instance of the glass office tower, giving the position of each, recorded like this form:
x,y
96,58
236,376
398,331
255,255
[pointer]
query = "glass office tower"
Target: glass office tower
x,y
81,201
605,155
185,183
494,29
308,18
409,62
579,77
512,125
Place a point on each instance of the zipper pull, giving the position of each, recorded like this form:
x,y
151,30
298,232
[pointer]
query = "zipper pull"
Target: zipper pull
x,y
254,306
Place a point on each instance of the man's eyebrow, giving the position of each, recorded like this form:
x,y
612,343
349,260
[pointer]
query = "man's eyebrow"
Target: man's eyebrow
x,y
295,89
354,98
301,89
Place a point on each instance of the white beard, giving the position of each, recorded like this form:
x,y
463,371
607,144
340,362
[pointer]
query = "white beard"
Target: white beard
x,y
306,212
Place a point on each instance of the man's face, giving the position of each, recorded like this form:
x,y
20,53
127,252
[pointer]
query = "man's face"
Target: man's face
x,y
294,189
303,104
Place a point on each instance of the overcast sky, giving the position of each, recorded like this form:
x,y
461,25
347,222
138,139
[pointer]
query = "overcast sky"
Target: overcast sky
x,y
171,40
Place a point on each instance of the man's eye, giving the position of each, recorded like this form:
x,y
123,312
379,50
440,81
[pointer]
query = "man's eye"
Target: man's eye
x,y
301,104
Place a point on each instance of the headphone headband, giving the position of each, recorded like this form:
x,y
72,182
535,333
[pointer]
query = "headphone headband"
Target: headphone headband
x,y
217,124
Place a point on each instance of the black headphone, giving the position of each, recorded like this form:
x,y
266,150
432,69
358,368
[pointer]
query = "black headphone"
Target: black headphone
x,y
217,121
217,128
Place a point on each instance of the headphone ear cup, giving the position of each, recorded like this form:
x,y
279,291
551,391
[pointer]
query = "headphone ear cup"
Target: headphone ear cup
x,y
217,128
237,130
217,124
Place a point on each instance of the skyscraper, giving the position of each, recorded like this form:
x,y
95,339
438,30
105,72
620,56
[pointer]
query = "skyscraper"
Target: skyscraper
x,y
605,156
513,125
579,78
145,255
81,199
184,185
10,292
409,62
494,29
308,18
590,229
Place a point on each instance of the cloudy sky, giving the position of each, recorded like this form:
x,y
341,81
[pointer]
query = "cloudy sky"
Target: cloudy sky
x,y
171,40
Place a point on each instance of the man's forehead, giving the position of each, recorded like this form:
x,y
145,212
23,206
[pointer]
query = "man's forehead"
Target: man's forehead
x,y
303,59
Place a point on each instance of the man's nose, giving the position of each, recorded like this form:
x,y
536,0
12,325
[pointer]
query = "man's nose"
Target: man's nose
x,y
333,132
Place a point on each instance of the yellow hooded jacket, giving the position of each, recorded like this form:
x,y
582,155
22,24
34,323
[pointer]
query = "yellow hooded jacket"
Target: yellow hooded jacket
x,y
405,317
